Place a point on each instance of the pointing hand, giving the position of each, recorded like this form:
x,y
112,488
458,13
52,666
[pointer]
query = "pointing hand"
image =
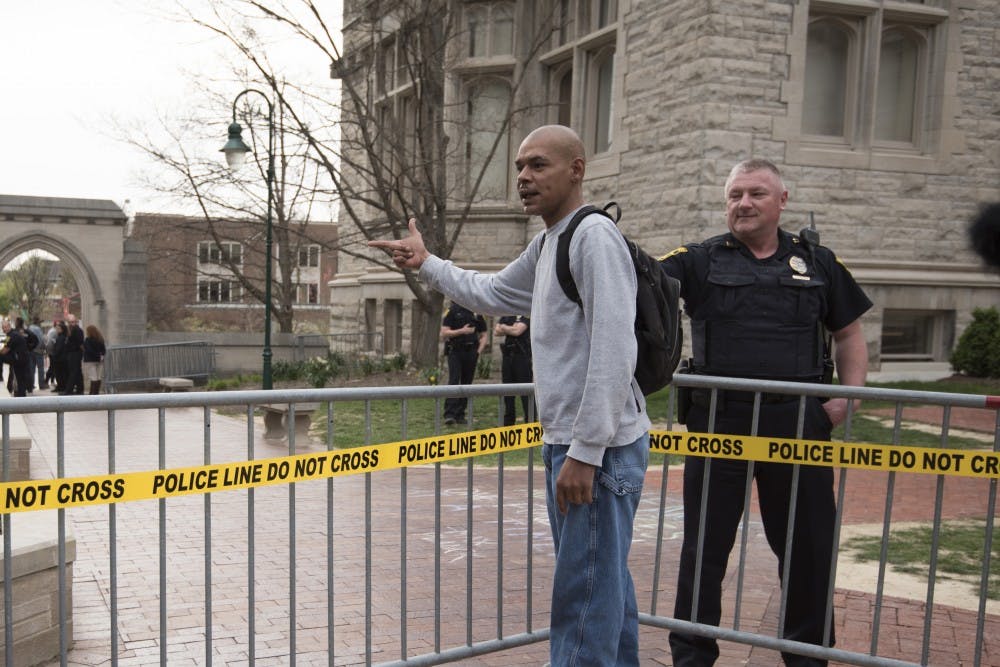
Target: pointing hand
x,y
408,252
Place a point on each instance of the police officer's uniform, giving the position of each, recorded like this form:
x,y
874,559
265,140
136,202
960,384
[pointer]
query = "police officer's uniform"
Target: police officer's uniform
x,y
763,319
463,353
17,356
516,365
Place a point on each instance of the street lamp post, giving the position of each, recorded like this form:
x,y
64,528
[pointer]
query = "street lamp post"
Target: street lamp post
x,y
235,151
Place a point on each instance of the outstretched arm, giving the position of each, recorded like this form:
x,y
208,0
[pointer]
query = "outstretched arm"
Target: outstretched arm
x,y
408,252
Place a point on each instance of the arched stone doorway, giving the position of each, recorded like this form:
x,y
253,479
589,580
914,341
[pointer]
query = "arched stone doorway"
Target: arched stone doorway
x,y
88,236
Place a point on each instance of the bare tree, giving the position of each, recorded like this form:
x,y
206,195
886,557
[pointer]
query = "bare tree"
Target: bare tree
x,y
28,285
230,209
396,156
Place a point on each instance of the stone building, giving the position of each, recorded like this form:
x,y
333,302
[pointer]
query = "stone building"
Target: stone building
x,y
883,114
190,287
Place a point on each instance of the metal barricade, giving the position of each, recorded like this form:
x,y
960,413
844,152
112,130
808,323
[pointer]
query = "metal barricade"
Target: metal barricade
x,y
146,364
428,564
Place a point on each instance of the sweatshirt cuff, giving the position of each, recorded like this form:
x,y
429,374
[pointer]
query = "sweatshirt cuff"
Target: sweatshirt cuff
x,y
586,454
430,268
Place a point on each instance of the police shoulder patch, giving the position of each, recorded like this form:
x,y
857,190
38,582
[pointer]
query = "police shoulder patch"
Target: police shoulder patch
x,y
675,251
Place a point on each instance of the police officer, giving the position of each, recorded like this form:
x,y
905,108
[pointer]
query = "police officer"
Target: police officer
x,y
759,300
15,352
464,335
516,364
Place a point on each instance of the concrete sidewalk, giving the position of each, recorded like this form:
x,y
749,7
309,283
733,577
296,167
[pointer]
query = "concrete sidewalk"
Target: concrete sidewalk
x,y
953,627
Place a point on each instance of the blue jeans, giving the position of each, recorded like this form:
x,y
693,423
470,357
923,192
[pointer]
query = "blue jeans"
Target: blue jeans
x,y
594,617
38,369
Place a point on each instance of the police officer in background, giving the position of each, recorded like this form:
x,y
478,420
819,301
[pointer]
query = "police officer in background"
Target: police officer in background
x,y
464,335
760,301
516,364
15,352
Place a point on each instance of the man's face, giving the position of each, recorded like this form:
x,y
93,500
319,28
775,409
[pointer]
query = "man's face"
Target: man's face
x,y
71,321
754,202
546,178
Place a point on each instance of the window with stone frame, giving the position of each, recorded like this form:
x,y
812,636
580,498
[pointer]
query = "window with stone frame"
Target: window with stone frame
x,y
489,29
486,69
487,144
917,335
872,76
581,71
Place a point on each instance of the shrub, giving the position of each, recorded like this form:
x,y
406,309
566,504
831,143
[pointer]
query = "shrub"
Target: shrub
x,y
287,370
484,366
397,362
978,349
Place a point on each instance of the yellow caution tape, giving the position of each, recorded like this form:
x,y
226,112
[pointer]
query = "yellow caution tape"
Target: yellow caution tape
x,y
863,455
155,484
105,489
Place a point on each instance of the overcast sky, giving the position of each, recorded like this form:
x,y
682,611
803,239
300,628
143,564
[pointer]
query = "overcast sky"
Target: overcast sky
x,y
69,68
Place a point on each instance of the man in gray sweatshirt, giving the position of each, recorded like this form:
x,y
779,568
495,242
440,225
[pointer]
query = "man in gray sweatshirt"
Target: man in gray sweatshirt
x,y
596,442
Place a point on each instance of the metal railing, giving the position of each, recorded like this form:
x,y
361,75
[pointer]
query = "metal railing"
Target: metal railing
x,y
423,565
146,364
319,345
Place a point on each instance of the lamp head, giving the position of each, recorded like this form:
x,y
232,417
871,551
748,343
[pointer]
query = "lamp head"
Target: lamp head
x,y
235,149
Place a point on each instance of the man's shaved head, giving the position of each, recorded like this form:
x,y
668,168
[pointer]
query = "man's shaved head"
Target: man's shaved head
x,y
560,138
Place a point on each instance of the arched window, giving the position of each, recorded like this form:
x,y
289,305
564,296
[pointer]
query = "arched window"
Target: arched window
x,y
898,77
604,67
564,114
583,78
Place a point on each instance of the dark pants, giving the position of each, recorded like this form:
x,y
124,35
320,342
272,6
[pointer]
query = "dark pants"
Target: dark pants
x,y
515,367
461,370
74,374
20,372
812,542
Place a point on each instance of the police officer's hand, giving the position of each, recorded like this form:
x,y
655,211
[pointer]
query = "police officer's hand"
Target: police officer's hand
x,y
836,410
408,252
575,484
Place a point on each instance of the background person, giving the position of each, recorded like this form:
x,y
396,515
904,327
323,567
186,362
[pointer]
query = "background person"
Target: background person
x,y
57,360
760,300
15,353
38,354
596,440
464,335
93,358
73,357
516,362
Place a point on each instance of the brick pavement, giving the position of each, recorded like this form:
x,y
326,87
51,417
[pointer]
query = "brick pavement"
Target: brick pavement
x,y
138,560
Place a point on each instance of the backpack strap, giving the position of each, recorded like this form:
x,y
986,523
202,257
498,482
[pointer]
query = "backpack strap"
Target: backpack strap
x,y
563,272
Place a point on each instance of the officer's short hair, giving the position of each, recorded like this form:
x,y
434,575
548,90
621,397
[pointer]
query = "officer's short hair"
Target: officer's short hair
x,y
753,164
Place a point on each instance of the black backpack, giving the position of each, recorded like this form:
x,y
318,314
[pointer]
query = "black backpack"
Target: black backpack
x,y
657,305
31,339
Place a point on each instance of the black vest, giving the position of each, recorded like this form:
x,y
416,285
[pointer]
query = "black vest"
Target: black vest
x,y
760,319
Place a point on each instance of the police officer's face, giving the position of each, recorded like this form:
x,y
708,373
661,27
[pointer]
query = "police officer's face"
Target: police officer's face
x,y
754,202
547,176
